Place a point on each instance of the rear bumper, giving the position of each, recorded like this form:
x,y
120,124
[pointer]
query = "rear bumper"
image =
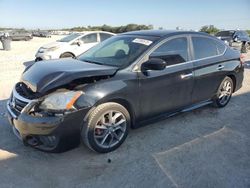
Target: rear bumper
x,y
64,129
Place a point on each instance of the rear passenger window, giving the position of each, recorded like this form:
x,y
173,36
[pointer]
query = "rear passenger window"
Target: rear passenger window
x,y
173,51
205,47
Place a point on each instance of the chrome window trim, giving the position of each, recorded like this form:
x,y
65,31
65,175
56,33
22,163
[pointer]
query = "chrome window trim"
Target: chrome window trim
x,y
215,39
137,66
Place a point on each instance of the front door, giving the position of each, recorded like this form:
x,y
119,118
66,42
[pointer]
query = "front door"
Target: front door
x,y
169,89
88,41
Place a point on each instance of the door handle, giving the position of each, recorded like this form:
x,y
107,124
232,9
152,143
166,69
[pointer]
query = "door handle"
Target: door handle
x,y
183,76
220,67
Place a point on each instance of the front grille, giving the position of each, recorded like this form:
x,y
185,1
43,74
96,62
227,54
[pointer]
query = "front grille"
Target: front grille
x,y
24,91
19,105
19,99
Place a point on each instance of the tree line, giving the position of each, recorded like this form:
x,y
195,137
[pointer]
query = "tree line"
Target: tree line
x,y
116,29
210,29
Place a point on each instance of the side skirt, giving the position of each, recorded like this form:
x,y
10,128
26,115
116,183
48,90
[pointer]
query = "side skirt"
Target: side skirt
x,y
173,113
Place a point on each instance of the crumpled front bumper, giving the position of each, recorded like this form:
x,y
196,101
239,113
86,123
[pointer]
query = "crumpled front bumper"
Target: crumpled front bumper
x,y
33,130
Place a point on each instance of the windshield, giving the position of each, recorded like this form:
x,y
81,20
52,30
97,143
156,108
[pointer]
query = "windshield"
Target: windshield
x,y
70,37
225,34
119,51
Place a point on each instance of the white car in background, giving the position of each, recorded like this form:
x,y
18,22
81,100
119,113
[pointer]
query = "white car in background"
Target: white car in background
x,y
72,45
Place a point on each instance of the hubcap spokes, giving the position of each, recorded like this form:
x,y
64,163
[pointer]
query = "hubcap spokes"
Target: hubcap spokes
x,y
110,129
225,92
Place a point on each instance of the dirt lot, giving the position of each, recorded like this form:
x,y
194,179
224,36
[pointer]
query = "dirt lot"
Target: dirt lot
x,y
205,148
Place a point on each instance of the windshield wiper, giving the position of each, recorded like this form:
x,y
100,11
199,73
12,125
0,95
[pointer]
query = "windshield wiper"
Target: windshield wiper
x,y
90,61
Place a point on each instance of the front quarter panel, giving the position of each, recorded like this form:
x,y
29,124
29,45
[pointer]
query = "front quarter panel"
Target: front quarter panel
x,y
123,87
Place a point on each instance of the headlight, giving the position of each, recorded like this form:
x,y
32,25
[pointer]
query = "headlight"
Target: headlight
x,y
60,100
53,48
41,50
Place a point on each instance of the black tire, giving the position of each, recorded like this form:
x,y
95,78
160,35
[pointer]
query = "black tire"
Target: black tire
x,y
88,132
220,102
67,55
38,59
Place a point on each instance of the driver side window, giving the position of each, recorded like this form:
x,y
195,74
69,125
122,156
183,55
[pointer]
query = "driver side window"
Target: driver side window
x,y
173,51
90,38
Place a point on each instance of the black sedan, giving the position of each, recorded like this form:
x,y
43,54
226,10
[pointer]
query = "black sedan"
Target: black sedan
x,y
234,38
124,82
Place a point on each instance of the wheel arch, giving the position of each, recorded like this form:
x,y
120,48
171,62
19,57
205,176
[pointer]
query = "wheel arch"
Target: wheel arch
x,y
232,76
68,53
126,104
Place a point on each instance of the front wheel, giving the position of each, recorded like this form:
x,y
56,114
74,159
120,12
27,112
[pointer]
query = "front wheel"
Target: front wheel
x,y
224,93
67,55
106,128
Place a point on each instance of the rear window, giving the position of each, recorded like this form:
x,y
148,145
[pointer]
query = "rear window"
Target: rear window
x,y
225,34
206,47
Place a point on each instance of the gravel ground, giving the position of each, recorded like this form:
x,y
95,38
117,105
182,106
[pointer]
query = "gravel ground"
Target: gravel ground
x,y
12,63
207,147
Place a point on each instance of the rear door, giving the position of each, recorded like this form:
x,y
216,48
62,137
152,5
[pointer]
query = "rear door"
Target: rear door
x,y
169,89
208,62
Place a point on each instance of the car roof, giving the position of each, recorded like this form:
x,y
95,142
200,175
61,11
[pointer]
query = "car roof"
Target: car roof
x,y
162,33
89,32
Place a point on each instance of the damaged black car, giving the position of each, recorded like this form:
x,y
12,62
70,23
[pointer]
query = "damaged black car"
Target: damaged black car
x,y
124,82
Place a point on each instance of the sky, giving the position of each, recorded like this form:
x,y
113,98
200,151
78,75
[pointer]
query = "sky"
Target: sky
x,y
187,14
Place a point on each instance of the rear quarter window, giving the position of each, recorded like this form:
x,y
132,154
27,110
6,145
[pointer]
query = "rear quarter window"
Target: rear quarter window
x,y
206,47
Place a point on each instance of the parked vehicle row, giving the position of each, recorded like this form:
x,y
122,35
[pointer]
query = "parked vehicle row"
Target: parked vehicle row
x,y
17,35
123,82
44,34
20,35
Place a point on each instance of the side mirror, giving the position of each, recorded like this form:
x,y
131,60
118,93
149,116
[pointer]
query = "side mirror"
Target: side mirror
x,y
154,64
79,42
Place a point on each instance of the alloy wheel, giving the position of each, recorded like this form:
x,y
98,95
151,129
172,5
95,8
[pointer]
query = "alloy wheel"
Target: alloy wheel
x,y
225,92
110,129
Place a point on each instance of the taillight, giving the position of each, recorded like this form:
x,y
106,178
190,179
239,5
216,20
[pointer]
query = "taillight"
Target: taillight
x,y
242,59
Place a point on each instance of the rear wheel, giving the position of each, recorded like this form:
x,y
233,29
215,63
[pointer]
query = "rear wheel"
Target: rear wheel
x,y
224,93
106,128
66,55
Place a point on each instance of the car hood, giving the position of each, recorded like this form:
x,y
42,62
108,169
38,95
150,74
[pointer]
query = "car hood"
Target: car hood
x,y
46,75
53,44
